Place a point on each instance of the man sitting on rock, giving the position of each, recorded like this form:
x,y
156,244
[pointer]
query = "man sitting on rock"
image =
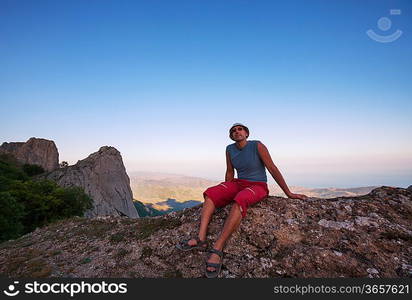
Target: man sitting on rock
x,y
249,158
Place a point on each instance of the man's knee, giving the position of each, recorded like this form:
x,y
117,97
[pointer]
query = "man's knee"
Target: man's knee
x,y
238,207
209,202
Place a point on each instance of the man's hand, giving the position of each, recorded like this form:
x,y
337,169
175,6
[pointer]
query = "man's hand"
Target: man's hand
x,y
297,196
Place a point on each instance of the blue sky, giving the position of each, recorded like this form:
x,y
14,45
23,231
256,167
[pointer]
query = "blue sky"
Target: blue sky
x,y
162,81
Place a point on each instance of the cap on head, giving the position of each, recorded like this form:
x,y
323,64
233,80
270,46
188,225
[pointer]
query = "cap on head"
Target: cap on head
x,y
238,124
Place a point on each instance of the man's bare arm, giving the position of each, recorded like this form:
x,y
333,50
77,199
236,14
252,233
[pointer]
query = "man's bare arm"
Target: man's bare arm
x,y
230,172
274,171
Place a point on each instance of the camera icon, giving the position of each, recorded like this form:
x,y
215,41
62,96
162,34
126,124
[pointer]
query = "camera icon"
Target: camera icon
x,y
11,291
384,24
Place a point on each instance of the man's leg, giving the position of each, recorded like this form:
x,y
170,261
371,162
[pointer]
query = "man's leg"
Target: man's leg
x,y
231,224
207,211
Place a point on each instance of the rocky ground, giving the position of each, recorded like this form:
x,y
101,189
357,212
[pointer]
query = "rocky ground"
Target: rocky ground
x,y
364,236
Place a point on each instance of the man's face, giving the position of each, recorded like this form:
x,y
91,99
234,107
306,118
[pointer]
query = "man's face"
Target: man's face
x,y
238,133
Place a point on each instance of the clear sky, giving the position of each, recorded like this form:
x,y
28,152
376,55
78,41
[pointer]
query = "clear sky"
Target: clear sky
x,y
162,81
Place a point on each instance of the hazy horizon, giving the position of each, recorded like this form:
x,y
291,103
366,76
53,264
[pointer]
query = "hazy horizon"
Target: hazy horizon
x,y
271,181
163,81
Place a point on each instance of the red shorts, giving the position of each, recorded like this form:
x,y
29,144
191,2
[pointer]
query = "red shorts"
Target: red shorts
x,y
244,192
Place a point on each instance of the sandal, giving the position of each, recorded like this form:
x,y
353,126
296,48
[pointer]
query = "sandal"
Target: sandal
x,y
217,266
184,245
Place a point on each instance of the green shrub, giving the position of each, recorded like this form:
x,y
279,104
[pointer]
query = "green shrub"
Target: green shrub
x,y
46,202
10,169
26,203
11,214
32,170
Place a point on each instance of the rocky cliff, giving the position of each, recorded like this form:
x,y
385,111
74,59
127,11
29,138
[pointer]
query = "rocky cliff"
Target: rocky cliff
x,y
103,177
363,236
41,152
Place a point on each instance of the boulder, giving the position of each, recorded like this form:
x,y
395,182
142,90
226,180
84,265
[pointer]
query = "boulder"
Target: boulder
x,y
103,177
36,151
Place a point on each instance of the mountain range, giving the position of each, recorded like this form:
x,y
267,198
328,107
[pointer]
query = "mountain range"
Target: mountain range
x,y
166,192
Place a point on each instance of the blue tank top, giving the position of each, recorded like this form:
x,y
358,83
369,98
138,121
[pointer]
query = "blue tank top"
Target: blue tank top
x,y
247,161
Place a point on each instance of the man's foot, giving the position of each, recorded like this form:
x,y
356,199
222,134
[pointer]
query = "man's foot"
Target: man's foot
x,y
214,259
192,244
214,263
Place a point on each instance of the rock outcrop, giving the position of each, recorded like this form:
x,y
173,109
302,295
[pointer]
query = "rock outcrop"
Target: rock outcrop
x,y
363,236
103,177
37,151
